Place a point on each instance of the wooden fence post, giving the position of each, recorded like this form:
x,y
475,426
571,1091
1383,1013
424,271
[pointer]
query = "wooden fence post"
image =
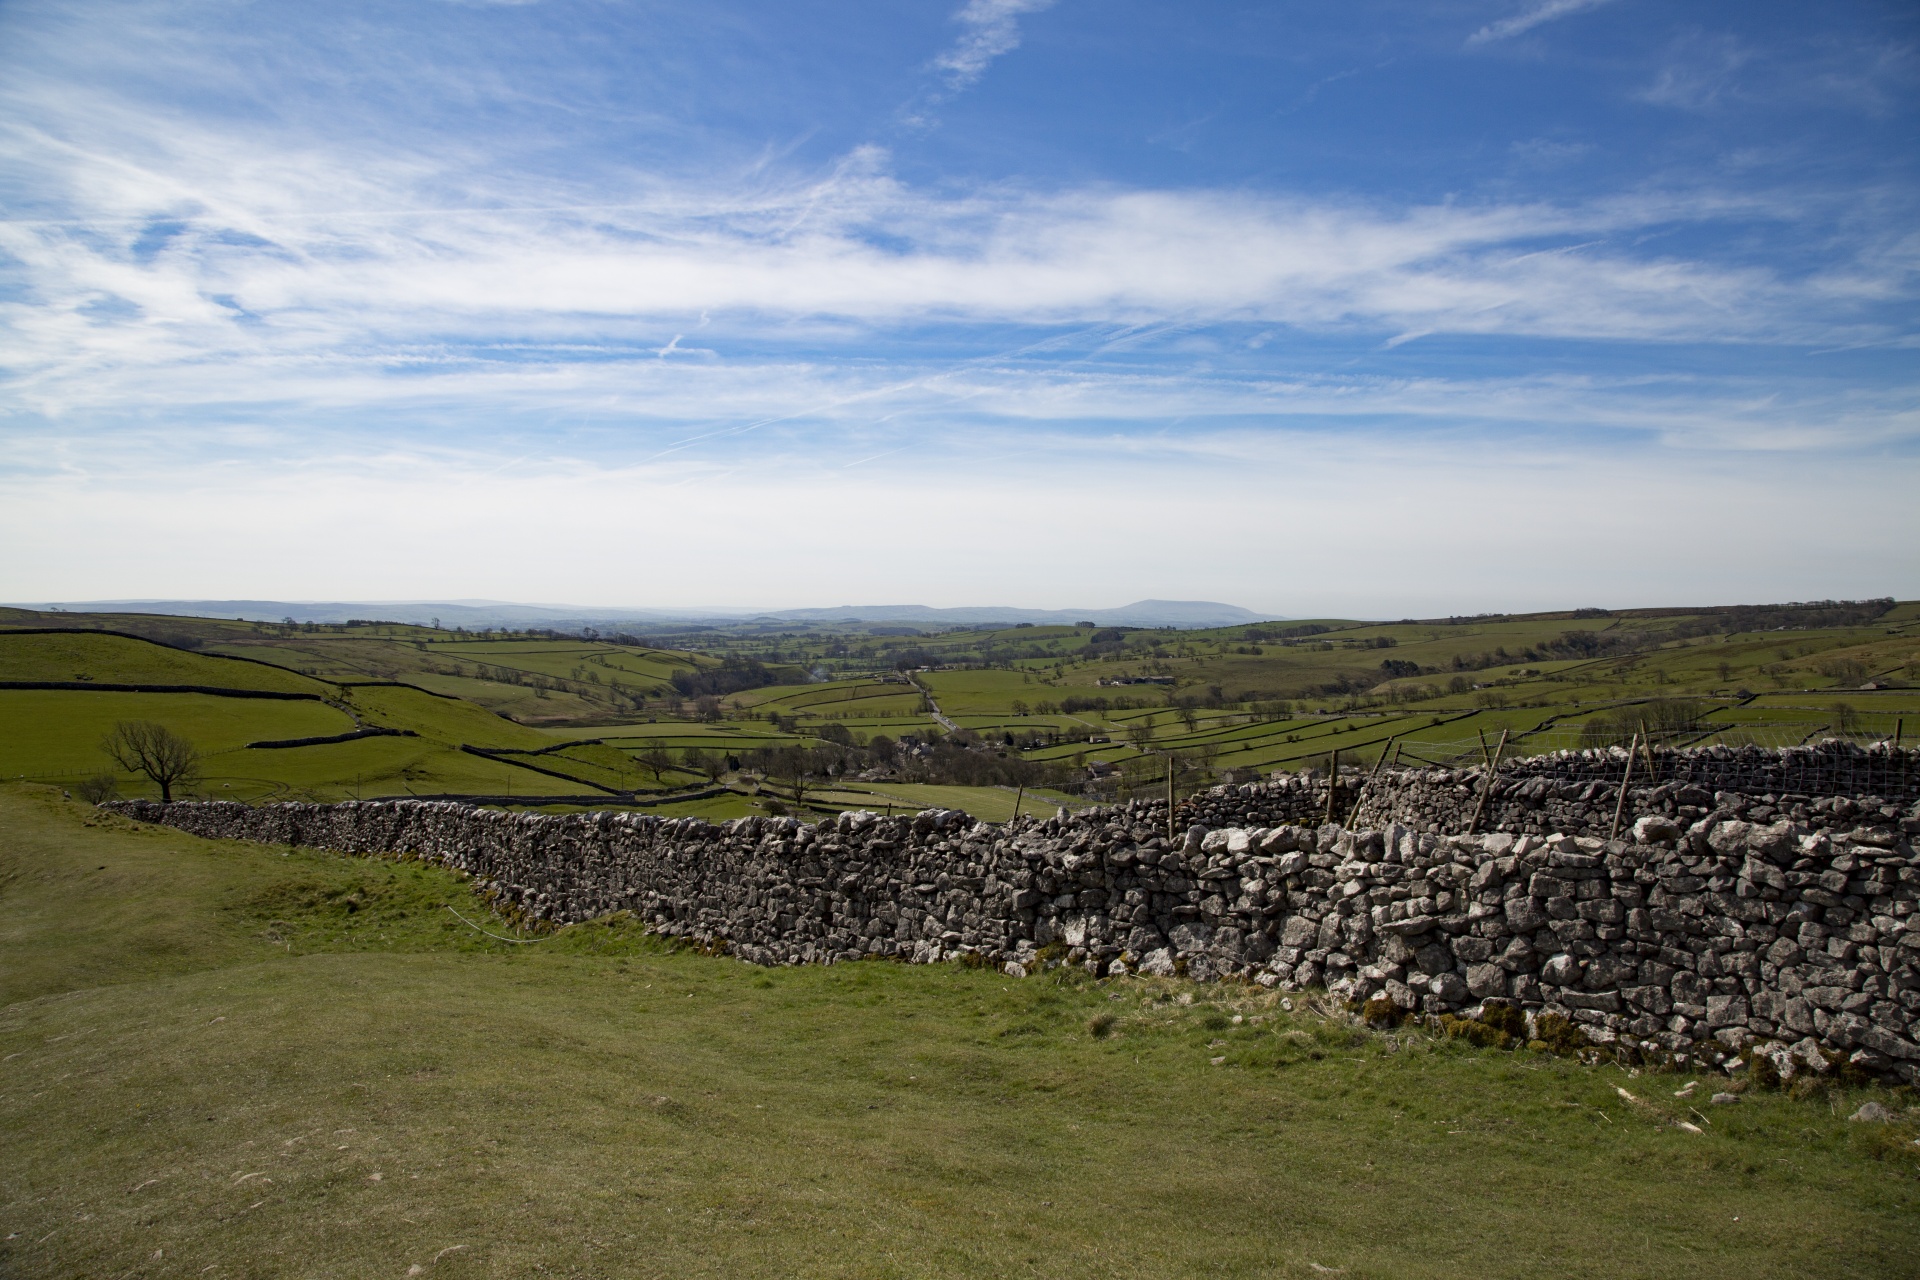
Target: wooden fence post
x,y
1620,805
1169,797
1493,767
1333,781
1377,766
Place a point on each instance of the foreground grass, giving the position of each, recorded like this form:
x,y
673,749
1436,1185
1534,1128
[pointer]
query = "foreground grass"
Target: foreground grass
x,y
229,1060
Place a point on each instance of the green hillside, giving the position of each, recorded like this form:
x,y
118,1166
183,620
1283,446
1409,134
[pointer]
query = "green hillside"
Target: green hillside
x,y
128,660
231,1059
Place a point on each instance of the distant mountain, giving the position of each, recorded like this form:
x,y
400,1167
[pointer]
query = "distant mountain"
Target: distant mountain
x,y
471,614
1141,613
475,614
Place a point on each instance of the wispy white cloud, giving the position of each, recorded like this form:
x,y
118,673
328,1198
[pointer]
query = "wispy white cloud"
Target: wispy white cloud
x,y
207,254
1699,71
989,28
1529,19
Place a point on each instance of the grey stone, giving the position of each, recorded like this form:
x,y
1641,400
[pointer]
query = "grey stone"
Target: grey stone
x,y
1600,1001
1486,980
1726,1011
1299,932
1883,1041
1808,1051
1656,829
1158,964
1561,970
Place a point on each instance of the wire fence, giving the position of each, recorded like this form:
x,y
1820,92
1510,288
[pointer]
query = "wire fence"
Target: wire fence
x,y
1777,735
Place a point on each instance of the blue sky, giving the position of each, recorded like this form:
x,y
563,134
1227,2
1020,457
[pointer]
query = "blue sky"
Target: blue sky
x,y
1357,308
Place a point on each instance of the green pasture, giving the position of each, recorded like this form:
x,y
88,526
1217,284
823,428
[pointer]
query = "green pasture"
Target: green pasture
x,y
443,719
896,706
367,768
985,692
56,733
681,736
352,655
518,701
608,766
1883,704
231,1059
123,660
585,662
863,727
832,699
478,648
1017,726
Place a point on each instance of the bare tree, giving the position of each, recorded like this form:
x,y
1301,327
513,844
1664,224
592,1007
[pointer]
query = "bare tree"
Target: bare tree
x,y
714,766
790,765
657,761
99,789
141,746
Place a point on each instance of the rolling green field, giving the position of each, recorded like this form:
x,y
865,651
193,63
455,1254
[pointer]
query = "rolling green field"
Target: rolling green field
x,y
1234,703
221,1058
51,733
132,661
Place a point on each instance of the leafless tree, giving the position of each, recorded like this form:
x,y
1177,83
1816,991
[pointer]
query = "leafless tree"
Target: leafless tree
x,y
99,789
141,746
790,765
657,761
714,766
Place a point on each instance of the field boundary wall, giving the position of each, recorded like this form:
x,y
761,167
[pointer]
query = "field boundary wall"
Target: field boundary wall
x,y
1708,933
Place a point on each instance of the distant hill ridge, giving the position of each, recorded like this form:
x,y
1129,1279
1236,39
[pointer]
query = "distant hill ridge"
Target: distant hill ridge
x,y
494,613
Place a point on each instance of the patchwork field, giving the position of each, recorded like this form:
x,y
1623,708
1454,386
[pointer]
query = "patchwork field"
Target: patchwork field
x,y
1089,712
225,1058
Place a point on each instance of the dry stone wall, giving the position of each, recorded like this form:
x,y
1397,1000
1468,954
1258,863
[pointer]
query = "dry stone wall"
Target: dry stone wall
x,y
1832,785
1697,934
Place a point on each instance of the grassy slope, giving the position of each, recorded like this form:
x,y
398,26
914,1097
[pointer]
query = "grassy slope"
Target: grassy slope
x,y
51,732
56,734
226,1059
128,661
445,720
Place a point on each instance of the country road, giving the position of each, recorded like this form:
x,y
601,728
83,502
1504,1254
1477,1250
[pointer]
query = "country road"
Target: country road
x,y
937,714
